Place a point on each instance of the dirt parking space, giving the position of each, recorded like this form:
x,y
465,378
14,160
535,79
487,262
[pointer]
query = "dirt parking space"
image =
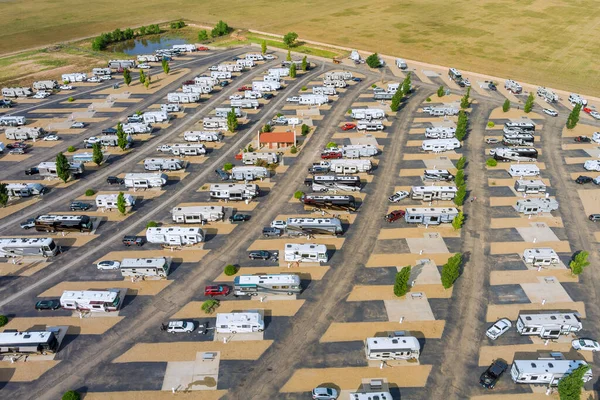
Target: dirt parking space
x,y
519,247
330,242
156,395
352,331
305,272
275,308
140,288
17,205
524,222
185,254
487,354
510,277
404,233
24,372
392,260
77,326
511,311
580,130
590,200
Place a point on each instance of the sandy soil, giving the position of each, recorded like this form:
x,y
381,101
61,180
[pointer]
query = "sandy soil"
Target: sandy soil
x,y
392,260
580,130
272,308
509,277
350,331
518,247
513,113
17,205
386,292
404,233
511,311
590,200
524,222
142,288
156,395
77,326
24,372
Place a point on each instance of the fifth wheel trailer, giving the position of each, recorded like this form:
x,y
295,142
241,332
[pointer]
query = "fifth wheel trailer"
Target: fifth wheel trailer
x,y
440,145
530,186
188,149
546,371
367,113
249,173
359,150
25,189
145,180
429,193
146,267
45,85
163,164
548,324
305,252
202,136
110,201
12,120
252,158
31,342
392,348
177,97
23,133
197,214
234,191
430,216
174,235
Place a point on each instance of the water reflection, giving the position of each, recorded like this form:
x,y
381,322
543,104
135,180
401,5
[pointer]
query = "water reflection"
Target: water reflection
x,y
146,45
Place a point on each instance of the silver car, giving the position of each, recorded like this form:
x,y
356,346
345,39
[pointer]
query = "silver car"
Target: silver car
x,y
324,393
106,265
400,195
498,329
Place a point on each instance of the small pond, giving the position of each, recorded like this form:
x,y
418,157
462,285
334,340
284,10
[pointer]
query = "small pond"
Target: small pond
x,y
146,45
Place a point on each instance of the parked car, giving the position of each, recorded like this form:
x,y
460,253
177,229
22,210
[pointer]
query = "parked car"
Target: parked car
x,y
395,215
66,87
582,179
202,48
130,240
108,265
5,103
77,125
244,88
259,255
223,83
239,218
461,83
595,114
550,112
236,97
180,326
79,206
585,344
594,217
491,375
492,141
17,145
492,87
587,110
109,131
144,66
498,329
324,393
32,171
268,96
270,231
113,180
400,195
279,224
47,305
596,180
217,290
222,174
17,151
356,79
105,77
268,57
28,224
51,138
467,82
93,79
41,95
331,155
348,126
582,139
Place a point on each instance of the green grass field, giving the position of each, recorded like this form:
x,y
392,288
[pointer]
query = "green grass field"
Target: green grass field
x,y
546,42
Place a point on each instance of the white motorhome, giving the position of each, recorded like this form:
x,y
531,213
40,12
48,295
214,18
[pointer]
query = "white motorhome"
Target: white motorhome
x,y
12,120
530,186
223,112
112,141
241,322
367,113
520,126
440,145
272,78
170,107
441,111
375,389
45,85
143,58
244,62
187,48
121,64
75,77
518,139
251,158
202,136
249,173
536,206
305,252
369,125
91,300
188,149
333,187
23,133
254,57
575,99
220,74
109,201
546,371
429,193
513,86
343,75
13,342
455,75
265,86
234,191
359,150
527,154
521,170
336,83
145,267
214,123
313,99
540,257
548,95
392,348
101,71
437,175
145,180
151,117
196,89
25,189
440,132
343,166
197,214
48,169
231,67
206,81
163,164
592,165
548,324
177,97
430,216
324,90
174,235
28,247
137,127
16,92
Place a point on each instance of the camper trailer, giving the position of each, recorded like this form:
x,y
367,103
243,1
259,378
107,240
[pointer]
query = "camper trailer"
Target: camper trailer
x,y
314,226
45,85
324,91
540,257
147,268
188,149
223,112
12,120
369,125
536,206
367,113
347,203
522,126
429,193
526,154
440,145
231,67
374,389
313,99
530,186
249,173
333,187
336,83
113,141
382,95
359,150
234,191
437,175
255,57
278,72
440,132
244,62
86,157
109,201
252,158
430,216
548,324
546,371
592,165
48,169
202,136
305,252
17,92
518,139
197,214
163,164
344,166
521,170
137,127
349,180
24,133
75,77
13,342
91,300
220,74
214,123
241,322
272,78
548,95
145,180
253,285
28,247
185,48
343,75
170,108
174,235
25,189
392,348
512,86
177,97
244,103
121,64
441,111
196,89
265,86
101,71
206,81
151,117
144,58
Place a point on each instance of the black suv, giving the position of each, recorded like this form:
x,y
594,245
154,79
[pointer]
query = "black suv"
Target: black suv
x,y
109,131
6,104
491,375
112,180
79,206
31,171
133,240
239,218
582,179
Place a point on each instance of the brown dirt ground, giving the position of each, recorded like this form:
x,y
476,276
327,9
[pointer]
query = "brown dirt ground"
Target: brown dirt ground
x,y
77,326
518,247
156,395
312,273
524,222
351,331
392,260
24,372
142,288
275,308
509,277
386,292
488,354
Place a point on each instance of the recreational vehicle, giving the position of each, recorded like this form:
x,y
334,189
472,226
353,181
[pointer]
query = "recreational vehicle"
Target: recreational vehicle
x,y
305,252
113,141
392,348
17,92
23,133
137,127
591,165
324,91
197,214
521,170
244,62
512,86
231,67
214,123
440,132
548,324
234,191
313,99
151,117
185,48
369,125
349,180
333,187
272,78
202,136
523,127
527,154
249,173
548,95
314,226
279,71
349,166
437,175
242,322
196,89
383,95
28,247
440,145
343,75
63,223
540,257
110,201
252,158
146,267
375,389
86,157
255,57
536,206
546,371
188,149
12,120
45,85
145,180
334,83
455,75
25,189
101,71
143,58
429,193
48,169
359,150
31,342
265,86
518,139
244,103
91,300
121,64
220,74
177,97
174,235
347,203
253,285
430,216
163,164
441,111
75,77
223,112
367,113
530,186
206,81
168,108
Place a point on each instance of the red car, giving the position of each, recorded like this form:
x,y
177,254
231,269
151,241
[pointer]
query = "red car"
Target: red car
x,y
331,155
348,125
202,48
587,110
583,139
244,88
217,290
395,215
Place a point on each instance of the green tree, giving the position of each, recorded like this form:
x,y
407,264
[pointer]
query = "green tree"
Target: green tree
x,y
210,305
63,169
579,262
3,320
230,270
460,164
506,105
263,46
406,84
232,122
165,66
458,221
574,117
129,34
461,125
227,166
71,149
441,91
529,103
401,286
290,39
97,156
461,193
177,24
121,205
304,64
397,100
147,81
293,70
289,56
464,102
373,61
71,395
121,137
331,145
305,130
142,30
490,162
451,270
126,76
459,179
3,194
293,150
569,387
298,195
151,224
267,128
90,192
220,29
203,35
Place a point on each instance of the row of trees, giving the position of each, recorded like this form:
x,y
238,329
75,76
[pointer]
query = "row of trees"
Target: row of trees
x,y
104,39
574,117
402,91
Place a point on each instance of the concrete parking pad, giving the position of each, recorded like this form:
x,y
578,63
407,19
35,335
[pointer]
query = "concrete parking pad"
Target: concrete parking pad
x,y
386,292
452,155
200,374
511,311
305,272
402,259
432,243
238,205
441,162
590,200
272,308
77,326
487,354
186,351
523,222
511,277
548,289
417,233
506,166
140,288
510,181
538,231
518,247
304,380
156,395
24,372
412,308
353,331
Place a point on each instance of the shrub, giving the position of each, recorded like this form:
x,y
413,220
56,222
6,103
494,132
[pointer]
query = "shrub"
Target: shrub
x,y
230,270
70,99
458,221
305,130
451,270
401,286
267,128
210,305
71,149
331,145
440,91
90,192
461,193
279,115
304,88
506,105
529,103
298,194
71,395
228,166
373,61
151,224
428,99
349,111
3,320
373,86
490,162
293,150
579,262
491,124
459,179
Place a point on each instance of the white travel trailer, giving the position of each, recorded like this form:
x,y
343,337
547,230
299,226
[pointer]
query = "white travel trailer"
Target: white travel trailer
x,y
437,175
530,186
48,169
151,117
265,86
392,348
202,136
170,107
367,113
244,62
231,67
548,324
45,85
13,342
109,201
520,154
249,173
28,247
253,285
174,235
548,95
197,89
220,74
369,125
271,78
245,103
575,99
242,322
429,193
148,58
146,267
306,252
188,149
234,191
75,77
197,214
520,170
324,90
223,112
359,150
163,164
177,97
25,189
137,127
513,86
430,216
101,71
12,120
91,300
254,57
278,72
336,83
343,75
206,81
440,145
314,226
252,158
121,64
112,141
592,165
214,123
343,166
333,187
540,257
375,389
23,133
440,132
441,111
546,371
313,99
16,92
536,206
187,48
145,180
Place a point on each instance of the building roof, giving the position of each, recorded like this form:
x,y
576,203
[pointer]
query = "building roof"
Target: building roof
x,y
277,137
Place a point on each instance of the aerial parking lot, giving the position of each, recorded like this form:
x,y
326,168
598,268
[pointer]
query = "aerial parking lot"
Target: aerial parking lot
x,y
236,222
